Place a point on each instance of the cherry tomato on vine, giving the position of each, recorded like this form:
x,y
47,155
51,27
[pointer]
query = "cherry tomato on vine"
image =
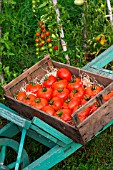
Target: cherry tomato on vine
x,y
55,47
49,45
38,34
40,23
64,73
42,36
49,40
47,34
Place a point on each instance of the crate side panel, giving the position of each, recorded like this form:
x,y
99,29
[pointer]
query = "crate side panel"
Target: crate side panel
x,y
29,112
95,122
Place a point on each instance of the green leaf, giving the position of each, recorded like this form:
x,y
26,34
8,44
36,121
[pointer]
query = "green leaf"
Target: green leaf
x,y
42,5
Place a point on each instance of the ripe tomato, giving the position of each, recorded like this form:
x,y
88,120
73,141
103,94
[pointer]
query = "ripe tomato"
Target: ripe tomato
x,y
55,47
49,81
39,103
37,40
61,93
71,103
49,109
78,92
21,95
108,96
40,23
75,83
94,107
38,34
64,114
56,103
85,99
42,36
83,114
93,90
60,84
45,93
47,33
49,40
64,73
28,99
33,88
42,27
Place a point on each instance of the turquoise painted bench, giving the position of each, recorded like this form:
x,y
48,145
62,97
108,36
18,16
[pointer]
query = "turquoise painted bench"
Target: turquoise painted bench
x,y
60,145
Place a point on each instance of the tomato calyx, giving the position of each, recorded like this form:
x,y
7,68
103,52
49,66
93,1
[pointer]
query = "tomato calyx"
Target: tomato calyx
x,y
44,89
60,113
75,91
38,100
51,102
60,90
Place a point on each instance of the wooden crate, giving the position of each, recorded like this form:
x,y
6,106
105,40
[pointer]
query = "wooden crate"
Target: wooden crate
x,y
82,131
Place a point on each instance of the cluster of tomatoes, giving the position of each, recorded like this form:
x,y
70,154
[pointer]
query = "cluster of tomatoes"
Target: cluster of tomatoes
x,y
61,95
43,39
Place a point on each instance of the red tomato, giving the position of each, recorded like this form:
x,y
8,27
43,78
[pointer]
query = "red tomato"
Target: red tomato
x,y
75,83
83,114
37,40
61,93
49,109
55,47
85,99
45,93
76,108
21,95
49,81
64,73
108,96
71,103
42,36
47,33
33,88
64,114
49,40
94,107
93,90
56,103
60,84
38,34
78,92
28,99
39,103
40,23
42,27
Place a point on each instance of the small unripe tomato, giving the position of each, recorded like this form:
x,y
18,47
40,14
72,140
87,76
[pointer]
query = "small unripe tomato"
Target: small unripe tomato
x,y
49,40
42,48
49,45
50,50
